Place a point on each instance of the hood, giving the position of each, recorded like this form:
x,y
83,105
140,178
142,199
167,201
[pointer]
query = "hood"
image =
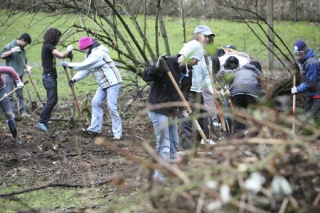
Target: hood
x,y
309,54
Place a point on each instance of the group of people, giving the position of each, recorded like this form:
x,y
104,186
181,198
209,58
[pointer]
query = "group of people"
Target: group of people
x,y
241,87
188,73
98,62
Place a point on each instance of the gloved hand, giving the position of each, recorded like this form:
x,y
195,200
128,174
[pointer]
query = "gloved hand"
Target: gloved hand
x,y
185,113
210,89
211,142
19,83
225,93
16,49
71,82
158,64
294,90
70,48
64,63
29,70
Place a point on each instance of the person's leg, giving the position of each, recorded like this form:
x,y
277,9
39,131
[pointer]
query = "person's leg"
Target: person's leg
x,y
315,110
112,99
239,102
20,99
50,84
97,112
174,138
6,108
161,128
10,85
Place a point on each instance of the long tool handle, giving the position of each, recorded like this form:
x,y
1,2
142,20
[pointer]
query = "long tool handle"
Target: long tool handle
x,y
219,107
12,91
294,106
34,87
198,127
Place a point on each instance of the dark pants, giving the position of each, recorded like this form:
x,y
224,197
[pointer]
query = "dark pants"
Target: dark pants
x,y
313,107
50,84
241,101
186,126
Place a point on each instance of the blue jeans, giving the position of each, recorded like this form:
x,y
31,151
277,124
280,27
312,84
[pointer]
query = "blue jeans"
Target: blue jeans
x,y
6,108
111,93
50,84
10,85
166,130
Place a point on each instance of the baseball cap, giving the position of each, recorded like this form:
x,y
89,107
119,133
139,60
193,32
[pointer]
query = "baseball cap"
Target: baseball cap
x,y
203,29
298,47
231,48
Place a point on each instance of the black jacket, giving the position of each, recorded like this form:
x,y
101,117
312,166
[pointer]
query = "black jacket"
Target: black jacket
x,y
162,89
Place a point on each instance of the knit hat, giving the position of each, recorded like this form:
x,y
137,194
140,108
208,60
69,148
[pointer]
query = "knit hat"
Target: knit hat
x,y
299,46
231,48
26,37
203,29
256,64
192,50
85,42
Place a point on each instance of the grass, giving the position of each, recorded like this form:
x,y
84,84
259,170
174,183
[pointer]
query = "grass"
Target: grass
x,y
227,32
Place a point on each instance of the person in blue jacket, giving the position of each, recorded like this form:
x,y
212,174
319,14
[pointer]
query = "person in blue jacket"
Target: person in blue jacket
x,y
309,69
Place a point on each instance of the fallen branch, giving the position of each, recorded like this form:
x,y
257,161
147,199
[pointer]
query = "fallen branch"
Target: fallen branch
x,y
53,185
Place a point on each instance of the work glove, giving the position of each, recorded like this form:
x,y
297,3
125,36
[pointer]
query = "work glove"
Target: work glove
x,y
29,70
19,83
210,89
225,93
71,82
158,64
16,49
294,90
70,48
64,63
211,142
185,113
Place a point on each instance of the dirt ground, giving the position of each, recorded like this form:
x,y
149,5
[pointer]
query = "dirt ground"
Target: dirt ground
x,y
68,157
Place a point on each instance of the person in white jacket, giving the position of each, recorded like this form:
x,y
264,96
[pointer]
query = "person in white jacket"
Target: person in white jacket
x,y
99,63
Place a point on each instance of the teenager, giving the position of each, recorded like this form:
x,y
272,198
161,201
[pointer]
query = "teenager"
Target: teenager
x,y
15,56
99,63
5,102
162,92
49,54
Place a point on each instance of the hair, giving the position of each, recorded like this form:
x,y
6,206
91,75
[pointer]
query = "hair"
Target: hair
x,y
26,37
231,63
52,36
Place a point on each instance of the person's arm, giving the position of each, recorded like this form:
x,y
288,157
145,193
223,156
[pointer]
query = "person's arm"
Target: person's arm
x,y
10,71
63,54
311,78
6,52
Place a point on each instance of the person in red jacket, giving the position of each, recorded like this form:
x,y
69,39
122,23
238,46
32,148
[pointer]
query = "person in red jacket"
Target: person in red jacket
x,y
5,102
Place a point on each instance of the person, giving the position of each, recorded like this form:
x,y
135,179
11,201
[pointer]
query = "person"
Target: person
x,y
309,67
245,91
5,102
199,92
14,54
99,63
162,92
231,50
49,53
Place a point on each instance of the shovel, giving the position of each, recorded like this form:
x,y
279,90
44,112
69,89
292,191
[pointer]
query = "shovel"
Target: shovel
x,y
12,91
185,103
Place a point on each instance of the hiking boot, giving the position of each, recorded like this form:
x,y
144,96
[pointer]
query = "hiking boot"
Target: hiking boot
x,y
42,127
26,115
15,140
117,138
89,132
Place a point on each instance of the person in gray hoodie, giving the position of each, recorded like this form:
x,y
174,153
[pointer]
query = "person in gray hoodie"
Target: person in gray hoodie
x,y
245,90
99,63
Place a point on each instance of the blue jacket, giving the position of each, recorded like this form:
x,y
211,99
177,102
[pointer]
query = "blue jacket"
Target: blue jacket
x,y
310,68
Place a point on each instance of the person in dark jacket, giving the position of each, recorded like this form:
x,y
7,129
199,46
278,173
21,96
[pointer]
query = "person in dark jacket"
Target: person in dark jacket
x,y
245,90
162,93
309,69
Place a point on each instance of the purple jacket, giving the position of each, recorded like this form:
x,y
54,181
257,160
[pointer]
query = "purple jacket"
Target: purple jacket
x,y
7,70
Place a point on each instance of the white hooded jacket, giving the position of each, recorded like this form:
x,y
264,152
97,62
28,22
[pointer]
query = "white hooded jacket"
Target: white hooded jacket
x,y
100,64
